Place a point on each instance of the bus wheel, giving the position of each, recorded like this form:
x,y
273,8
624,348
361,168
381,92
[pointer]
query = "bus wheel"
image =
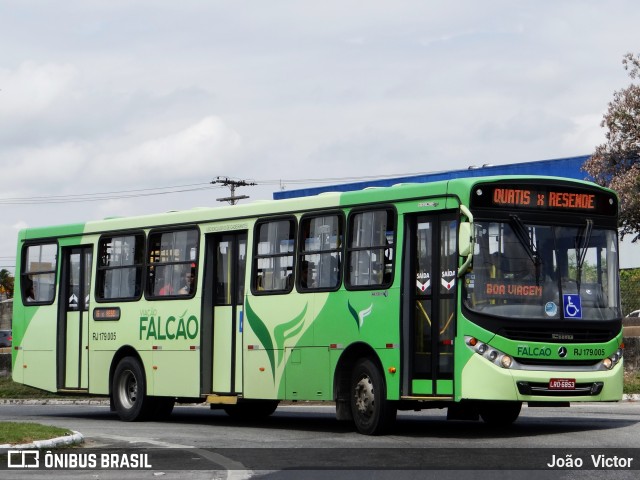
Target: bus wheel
x,y
251,409
372,413
129,391
500,414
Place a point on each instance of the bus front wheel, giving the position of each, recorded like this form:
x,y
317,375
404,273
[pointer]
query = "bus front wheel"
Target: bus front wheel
x,y
372,413
129,391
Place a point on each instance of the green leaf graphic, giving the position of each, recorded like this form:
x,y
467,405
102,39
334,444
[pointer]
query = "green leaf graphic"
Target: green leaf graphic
x,y
261,331
354,314
287,330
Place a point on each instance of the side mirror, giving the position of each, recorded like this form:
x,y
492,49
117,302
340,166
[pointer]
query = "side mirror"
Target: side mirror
x,y
465,240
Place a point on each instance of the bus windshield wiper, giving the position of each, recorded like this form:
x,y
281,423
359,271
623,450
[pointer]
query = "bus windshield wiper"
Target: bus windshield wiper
x,y
581,250
527,242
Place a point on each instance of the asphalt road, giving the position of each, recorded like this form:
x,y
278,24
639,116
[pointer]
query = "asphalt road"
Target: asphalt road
x,y
304,441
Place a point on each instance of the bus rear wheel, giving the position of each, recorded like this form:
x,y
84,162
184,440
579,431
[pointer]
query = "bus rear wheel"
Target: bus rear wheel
x,y
129,391
500,414
372,413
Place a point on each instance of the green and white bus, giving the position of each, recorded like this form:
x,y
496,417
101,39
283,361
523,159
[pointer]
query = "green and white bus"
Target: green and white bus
x,y
473,294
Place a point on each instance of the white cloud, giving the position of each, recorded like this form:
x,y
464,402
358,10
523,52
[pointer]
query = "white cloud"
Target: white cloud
x,y
41,170
188,153
195,151
585,134
32,88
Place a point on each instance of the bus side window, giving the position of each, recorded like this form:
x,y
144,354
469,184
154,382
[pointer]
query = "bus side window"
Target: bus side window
x,y
38,274
320,258
273,258
370,251
173,256
120,265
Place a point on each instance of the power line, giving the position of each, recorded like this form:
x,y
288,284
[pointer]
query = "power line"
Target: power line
x,y
95,197
170,190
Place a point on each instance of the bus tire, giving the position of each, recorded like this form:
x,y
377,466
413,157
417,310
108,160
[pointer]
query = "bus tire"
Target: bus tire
x,y
500,414
372,413
129,391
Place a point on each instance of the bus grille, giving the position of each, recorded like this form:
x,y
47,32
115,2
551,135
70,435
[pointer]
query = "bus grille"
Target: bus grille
x,y
542,389
571,335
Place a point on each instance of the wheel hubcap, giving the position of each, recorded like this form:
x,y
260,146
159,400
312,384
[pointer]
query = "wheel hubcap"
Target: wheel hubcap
x,y
364,395
128,390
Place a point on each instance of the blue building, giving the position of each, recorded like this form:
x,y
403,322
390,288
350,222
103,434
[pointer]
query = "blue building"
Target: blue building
x,y
563,167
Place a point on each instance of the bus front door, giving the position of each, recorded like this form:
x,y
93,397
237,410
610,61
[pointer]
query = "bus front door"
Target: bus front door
x,y
429,319
73,319
222,330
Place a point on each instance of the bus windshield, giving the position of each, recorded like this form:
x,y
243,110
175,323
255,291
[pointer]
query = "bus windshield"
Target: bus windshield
x,y
524,271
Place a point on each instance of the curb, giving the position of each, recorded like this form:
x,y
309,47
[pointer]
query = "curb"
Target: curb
x,y
73,439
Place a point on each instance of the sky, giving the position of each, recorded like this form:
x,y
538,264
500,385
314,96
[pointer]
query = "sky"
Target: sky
x,y
152,97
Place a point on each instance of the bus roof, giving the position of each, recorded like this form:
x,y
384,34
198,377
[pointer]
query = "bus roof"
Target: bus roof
x,y
323,200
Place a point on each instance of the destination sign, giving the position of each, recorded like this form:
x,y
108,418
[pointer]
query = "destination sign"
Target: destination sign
x,y
547,197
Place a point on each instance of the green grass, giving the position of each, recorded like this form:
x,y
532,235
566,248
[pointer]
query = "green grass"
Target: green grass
x,y
11,389
632,383
16,433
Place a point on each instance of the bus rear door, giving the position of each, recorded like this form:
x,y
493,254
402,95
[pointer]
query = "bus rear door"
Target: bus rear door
x,y
73,318
223,321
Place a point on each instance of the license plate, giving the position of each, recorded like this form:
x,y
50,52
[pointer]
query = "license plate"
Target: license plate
x,y
562,384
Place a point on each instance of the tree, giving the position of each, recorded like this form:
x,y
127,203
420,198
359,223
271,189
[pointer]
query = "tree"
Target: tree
x,y
630,290
615,162
6,283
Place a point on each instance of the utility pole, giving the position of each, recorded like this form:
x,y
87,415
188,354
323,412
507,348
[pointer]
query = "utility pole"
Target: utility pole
x,y
232,184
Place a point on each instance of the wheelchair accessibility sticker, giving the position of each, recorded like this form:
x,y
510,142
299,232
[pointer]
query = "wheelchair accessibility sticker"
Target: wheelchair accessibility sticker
x,y
572,306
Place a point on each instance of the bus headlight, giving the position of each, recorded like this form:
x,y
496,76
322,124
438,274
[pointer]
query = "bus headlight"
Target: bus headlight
x,y
493,355
611,362
506,361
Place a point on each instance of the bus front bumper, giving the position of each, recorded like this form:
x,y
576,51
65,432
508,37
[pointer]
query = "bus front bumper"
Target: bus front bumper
x,y
483,380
